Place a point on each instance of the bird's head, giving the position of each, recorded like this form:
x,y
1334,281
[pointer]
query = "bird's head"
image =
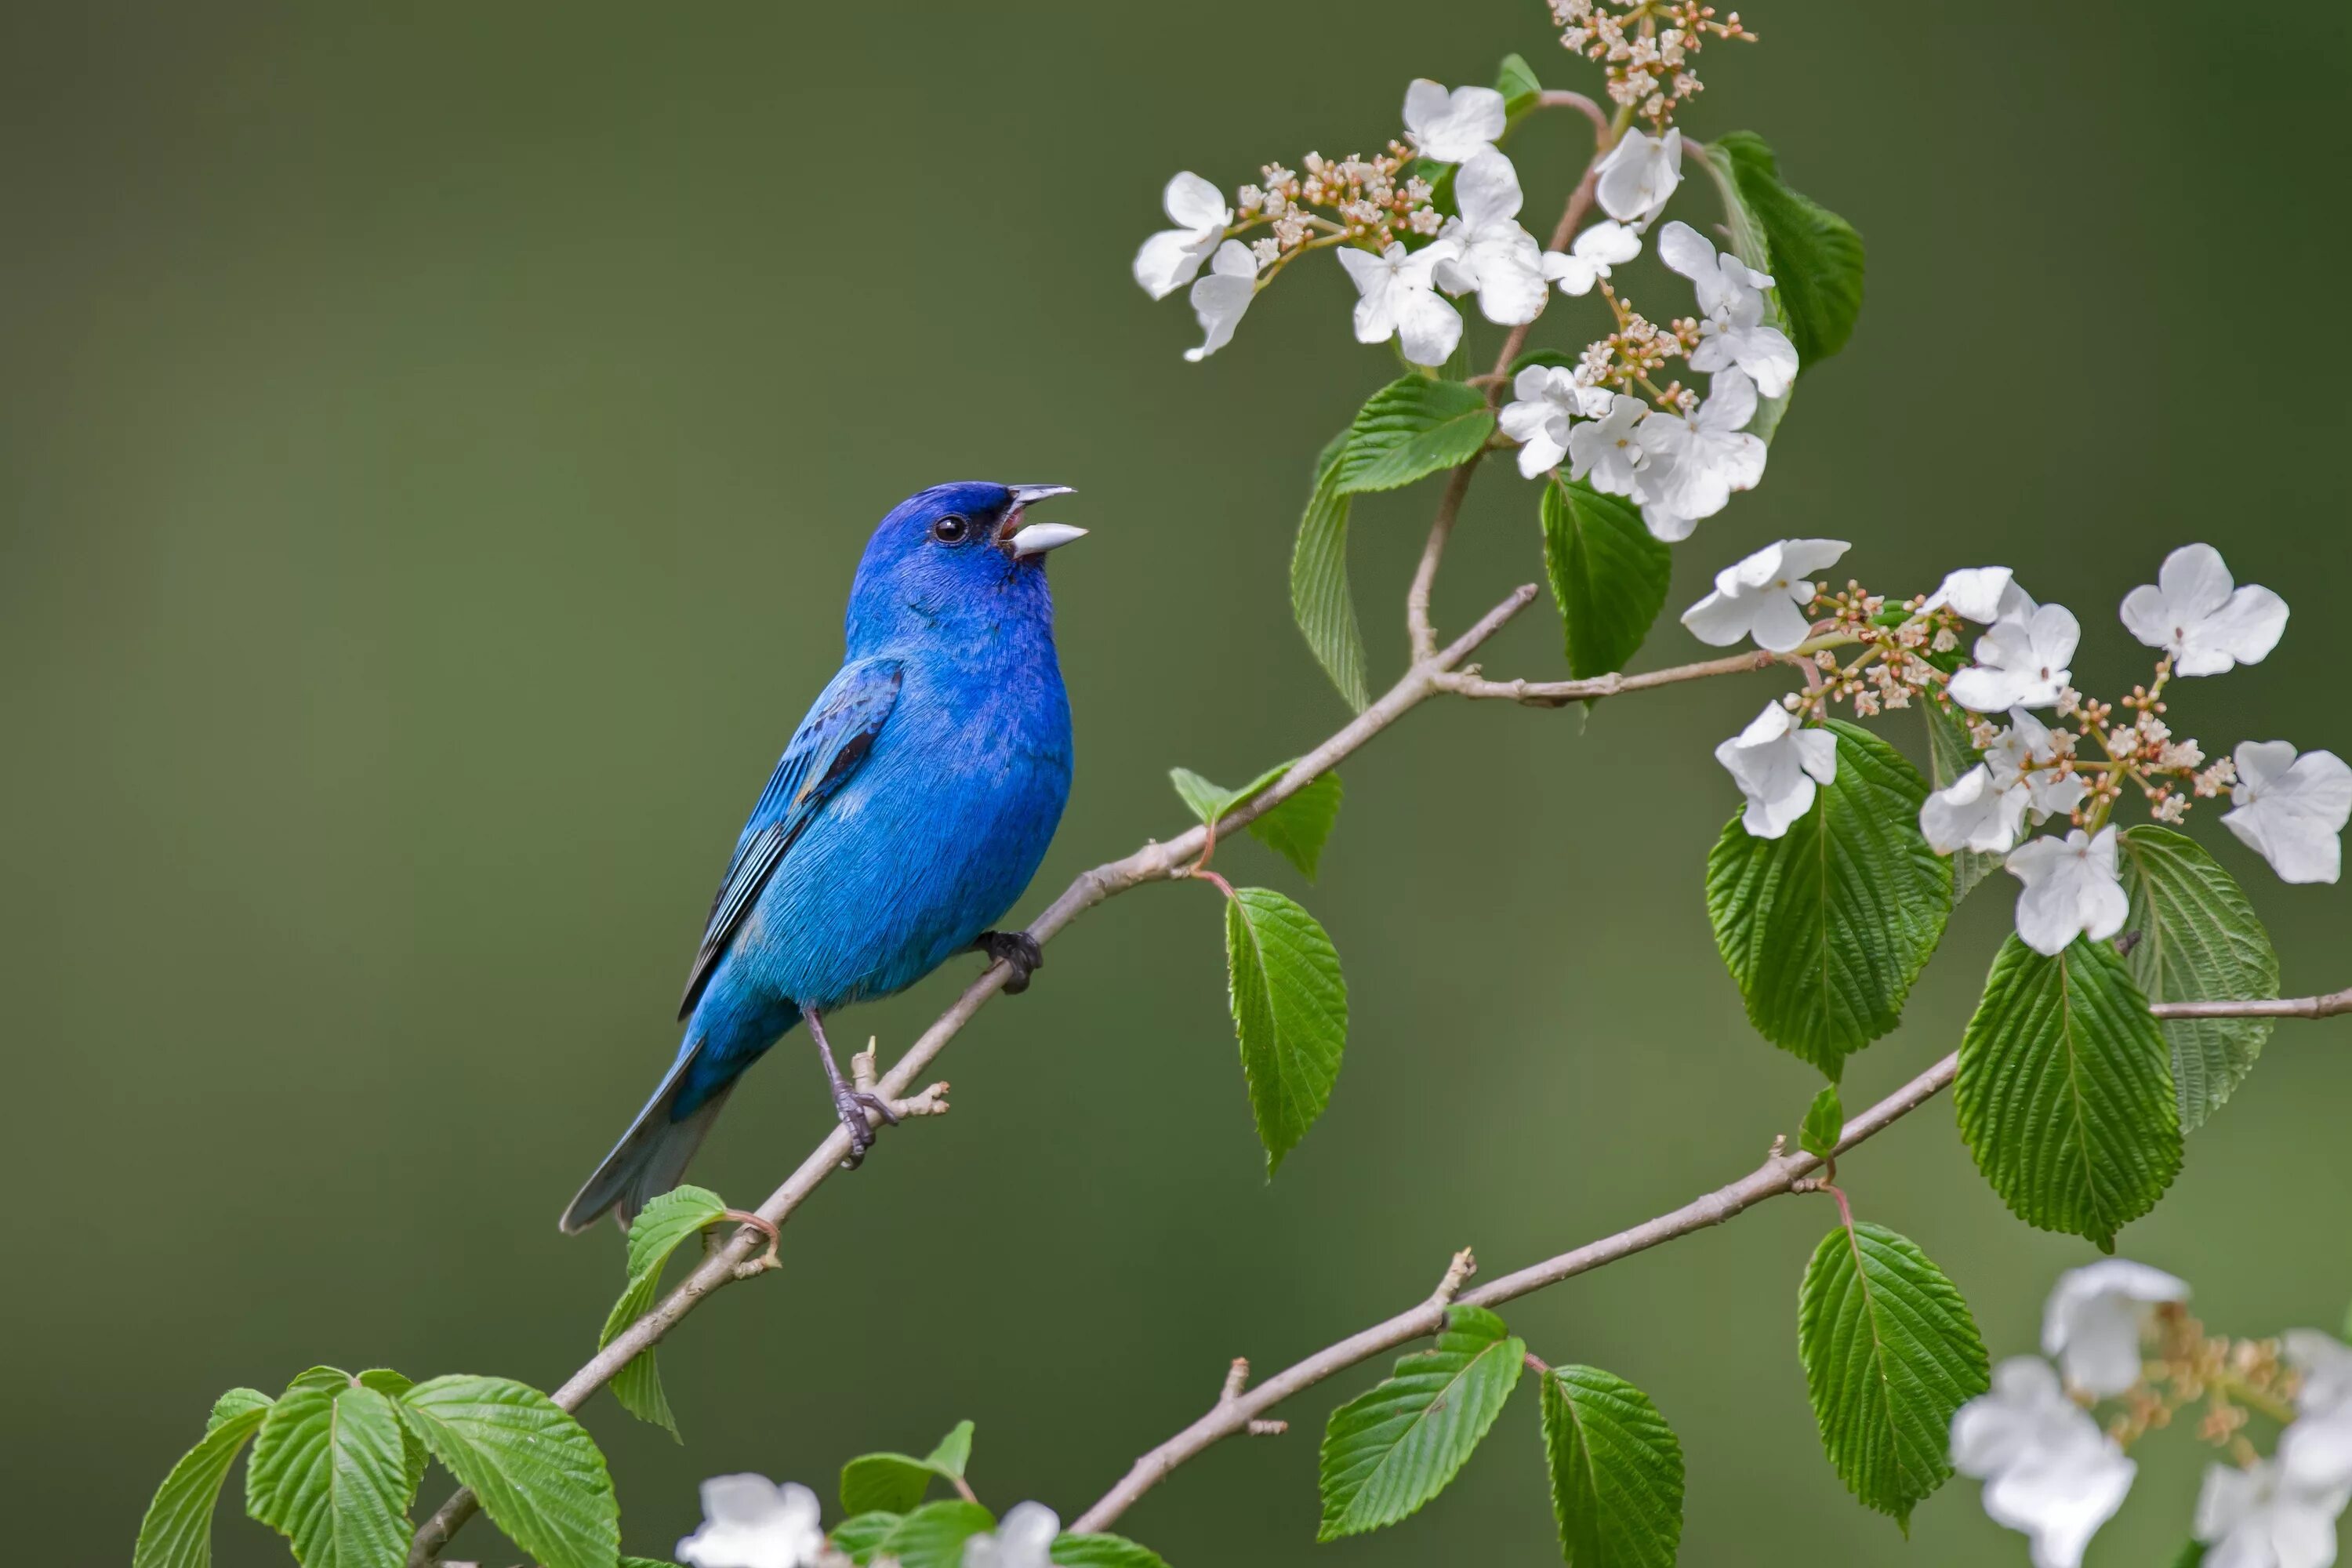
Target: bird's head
x,y
959,558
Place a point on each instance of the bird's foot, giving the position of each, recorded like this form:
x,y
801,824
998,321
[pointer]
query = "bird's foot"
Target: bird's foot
x,y
1018,951
851,1105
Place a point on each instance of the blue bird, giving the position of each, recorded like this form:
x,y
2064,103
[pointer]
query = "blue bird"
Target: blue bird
x,y
908,814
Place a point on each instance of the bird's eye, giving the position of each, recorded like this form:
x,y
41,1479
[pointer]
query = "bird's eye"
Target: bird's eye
x,y
951,529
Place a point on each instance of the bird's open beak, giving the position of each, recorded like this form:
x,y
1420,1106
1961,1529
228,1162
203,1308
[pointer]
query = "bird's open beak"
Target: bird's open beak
x,y
1036,537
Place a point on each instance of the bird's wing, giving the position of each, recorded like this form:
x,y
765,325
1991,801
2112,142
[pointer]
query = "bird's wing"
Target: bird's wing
x,y
825,751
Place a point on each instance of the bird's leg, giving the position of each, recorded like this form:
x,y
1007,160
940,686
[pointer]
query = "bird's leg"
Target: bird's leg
x,y
1018,951
850,1104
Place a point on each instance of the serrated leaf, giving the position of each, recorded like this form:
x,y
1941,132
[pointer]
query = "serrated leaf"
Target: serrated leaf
x,y
2200,941
331,1472
536,1471
1103,1551
1413,427
177,1531
1517,82
1950,754
1826,927
1890,1354
1816,256
1298,827
1616,1471
932,1536
1608,575
859,1534
1290,1013
1825,1120
1391,1449
654,1235
2065,1094
1320,600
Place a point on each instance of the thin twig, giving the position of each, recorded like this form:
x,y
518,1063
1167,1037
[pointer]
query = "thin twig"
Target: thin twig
x,y
1780,1173
1551,97
1560,693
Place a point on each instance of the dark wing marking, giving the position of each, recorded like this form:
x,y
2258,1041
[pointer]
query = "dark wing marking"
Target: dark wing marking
x,y
827,749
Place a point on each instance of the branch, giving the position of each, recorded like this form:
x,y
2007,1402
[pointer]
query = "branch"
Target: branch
x,y
1780,1173
1560,693
1556,99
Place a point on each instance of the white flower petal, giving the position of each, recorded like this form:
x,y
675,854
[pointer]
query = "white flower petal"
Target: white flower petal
x,y
2194,613
749,1521
2048,1469
1487,189
1777,763
1639,175
2291,809
1452,127
1973,812
2093,1321
1983,595
1194,203
2071,891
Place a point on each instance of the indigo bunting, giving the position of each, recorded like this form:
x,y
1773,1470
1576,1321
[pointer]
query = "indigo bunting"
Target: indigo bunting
x,y
908,814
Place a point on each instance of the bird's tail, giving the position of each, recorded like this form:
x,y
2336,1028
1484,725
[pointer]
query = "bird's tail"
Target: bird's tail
x,y
651,1156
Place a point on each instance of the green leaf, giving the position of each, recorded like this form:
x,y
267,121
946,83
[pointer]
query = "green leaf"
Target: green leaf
x,y
2065,1093
859,1534
1290,1013
1608,575
952,1452
2192,1554
1890,1354
331,1472
654,1235
1544,357
2200,941
1816,256
1826,927
646,1562
1104,1551
1205,800
1825,1120
895,1483
1517,84
1410,429
932,1536
1297,829
537,1472
1320,601
1394,1449
178,1530
1616,1471
1950,754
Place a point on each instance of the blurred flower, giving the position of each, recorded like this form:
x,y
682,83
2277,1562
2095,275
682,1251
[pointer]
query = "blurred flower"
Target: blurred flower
x,y
2259,1518
2093,1321
1398,300
1764,596
2048,1469
749,1521
2315,1451
1732,328
1607,451
1692,463
2194,613
1639,175
1546,399
1983,595
1494,255
1168,259
2291,808
2022,662
2071,891
1452,128
1220,299
1025,1539
1776,761
1596,250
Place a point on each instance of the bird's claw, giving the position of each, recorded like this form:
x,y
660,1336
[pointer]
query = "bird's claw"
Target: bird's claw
x,y
1018,951
851,1105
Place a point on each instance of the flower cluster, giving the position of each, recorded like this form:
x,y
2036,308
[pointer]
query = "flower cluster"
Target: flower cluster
x,y
749,1521
2291,807
1648,50
2117,1331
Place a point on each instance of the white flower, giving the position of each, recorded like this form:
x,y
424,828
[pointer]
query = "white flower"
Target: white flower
x,y
1596,250
2194,613
1691,465
1731,303
1546,396
1399,300
1025,1539
2315,1451
2020,662
1219,299
2070,890
1776,762
2291,808
1607,451
1639,174
1983,595
2048,1469
1452,127
749,1521
1169,258
1973,812
1494,255
2013,760
2259,1518
1764,596
2091,1323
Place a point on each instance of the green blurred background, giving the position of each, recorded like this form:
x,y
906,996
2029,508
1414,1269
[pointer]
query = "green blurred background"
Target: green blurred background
x,y
435,445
